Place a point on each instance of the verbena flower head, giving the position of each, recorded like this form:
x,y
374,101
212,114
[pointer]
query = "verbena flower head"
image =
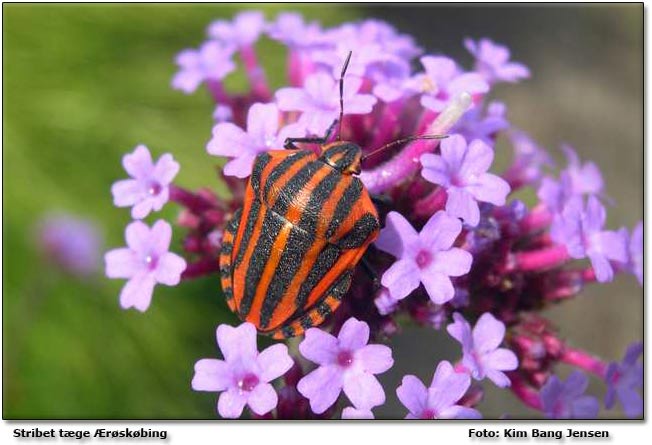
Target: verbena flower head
x,y
148,189
462,170
319,102
145,262
213,61
427,257
262,134
243,376
492,61
71,243
346,363
480,346
454,237
440,400
566,399
624,380
579,228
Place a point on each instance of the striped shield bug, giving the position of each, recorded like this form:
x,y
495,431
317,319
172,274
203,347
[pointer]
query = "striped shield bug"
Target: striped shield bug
x,y
289,253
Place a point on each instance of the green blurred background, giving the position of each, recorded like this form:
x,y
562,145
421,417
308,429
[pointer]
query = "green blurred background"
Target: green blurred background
x,y
83,84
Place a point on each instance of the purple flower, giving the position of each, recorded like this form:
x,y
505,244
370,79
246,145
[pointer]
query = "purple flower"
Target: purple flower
x,y
636,252
345,363
580,230
623,380
293,31
482,356
243,376
385,303
444,81
262,134
584,178
529,159
148,190
144,262
492,61
319,101
223,113
462,171
565,400
427,257
482,124
70,242
352,413
438,401
212,61
243,31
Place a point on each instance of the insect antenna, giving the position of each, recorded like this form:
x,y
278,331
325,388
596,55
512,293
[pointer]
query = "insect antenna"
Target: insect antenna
x,y
346,65
402,141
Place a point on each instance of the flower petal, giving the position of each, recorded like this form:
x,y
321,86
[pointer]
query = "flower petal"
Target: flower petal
x,y
462,204
488,333
274,362
375,358
396,235
211,375
353,335
363,390
401,278
439,287
231,403
137,292
322,387
166,169
121,263
478,159
126,192
169,269
440,232
262,399
319,347
236,343
139,163
413,394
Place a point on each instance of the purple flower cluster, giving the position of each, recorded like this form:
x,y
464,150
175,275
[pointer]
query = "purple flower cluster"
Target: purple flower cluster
x,y
456,249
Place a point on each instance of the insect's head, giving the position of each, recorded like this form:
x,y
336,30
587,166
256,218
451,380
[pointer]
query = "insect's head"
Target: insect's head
x,y
343,156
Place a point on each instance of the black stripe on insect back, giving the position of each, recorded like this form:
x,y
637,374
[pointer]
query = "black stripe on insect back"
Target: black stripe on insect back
x,y
349,198
281,168
262,160
250,221
294,185
272,225
325,261
299,242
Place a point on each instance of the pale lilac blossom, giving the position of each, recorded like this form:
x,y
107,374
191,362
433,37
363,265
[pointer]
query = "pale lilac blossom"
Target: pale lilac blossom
x,y
244,376
566,400
625,380
346,363
443,81
291,29
242,31
462,170
145,262
213,61
636,252
492,61
580,229
426,257
149,187
70,242
482,356
483,124
439,401
262,134
319,102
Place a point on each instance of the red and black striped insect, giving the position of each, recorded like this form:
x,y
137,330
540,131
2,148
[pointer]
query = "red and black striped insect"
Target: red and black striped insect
x,y
289,253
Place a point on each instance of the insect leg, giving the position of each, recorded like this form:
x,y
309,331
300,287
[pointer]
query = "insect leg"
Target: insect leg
x,y
226,258
370,271
289,142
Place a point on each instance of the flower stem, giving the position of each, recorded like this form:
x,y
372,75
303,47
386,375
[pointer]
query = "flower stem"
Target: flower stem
x,y
539,218
255,73
546,258
431,203
585,361
528,395
407,162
